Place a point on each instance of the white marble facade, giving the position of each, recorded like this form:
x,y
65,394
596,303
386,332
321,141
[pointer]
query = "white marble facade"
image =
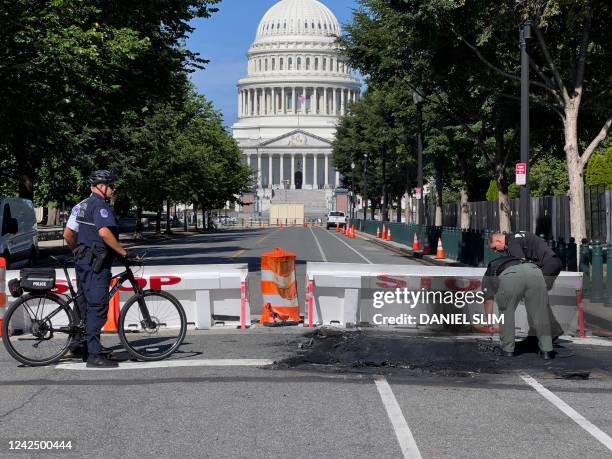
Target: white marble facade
x,y
297,87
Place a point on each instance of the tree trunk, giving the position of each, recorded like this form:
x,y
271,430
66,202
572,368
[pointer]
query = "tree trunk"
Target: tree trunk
x,y
575,170
25,174
195,216
504,206
408,210
465,209
373,208
138,229
185,219
158,221
399,209
168,224
439,190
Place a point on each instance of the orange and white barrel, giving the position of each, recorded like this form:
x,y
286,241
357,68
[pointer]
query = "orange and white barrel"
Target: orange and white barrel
x,y
278,284
3,297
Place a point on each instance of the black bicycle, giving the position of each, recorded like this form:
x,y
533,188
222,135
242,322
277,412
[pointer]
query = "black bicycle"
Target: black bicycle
x,y
39,327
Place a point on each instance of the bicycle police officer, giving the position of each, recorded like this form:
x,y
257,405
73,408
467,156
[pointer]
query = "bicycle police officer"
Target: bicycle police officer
x,y
97,247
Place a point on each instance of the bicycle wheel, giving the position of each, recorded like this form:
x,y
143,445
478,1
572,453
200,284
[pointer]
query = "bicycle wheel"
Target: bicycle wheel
x,y
37,329
159,338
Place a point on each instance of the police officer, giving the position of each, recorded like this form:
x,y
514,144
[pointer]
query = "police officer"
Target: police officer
x,y
509,280
97,247
529,247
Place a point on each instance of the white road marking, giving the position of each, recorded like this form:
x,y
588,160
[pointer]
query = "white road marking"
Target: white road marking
x,y
352,248
597,433
319,245
172,364
398,421
588,341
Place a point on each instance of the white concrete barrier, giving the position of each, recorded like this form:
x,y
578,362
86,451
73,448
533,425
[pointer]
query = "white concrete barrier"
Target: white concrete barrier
x,y
210,294
342,293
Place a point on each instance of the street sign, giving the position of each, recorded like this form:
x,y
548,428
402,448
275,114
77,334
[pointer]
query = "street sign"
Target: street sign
x,y
521,174
418,192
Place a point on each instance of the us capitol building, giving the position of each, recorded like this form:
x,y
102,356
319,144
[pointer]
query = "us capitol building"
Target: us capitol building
x,y
297,87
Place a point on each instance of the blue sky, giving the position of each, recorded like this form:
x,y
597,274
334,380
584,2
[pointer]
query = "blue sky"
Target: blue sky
x,y
225,38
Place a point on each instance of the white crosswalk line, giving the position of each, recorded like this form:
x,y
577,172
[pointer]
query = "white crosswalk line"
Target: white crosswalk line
x,y
597,433
172,364
409,448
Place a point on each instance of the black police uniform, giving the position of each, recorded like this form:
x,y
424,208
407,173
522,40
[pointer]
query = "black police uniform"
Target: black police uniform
x,y
93,266
530,247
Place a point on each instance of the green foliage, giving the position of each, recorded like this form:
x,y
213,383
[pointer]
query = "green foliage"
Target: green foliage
x,y
548,177
74,73
493,191
599,169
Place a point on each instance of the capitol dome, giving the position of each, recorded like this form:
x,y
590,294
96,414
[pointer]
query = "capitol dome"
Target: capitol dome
x,y
307,18
297,86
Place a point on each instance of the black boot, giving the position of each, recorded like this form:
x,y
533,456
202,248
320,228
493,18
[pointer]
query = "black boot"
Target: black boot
x,y
100,361
547,355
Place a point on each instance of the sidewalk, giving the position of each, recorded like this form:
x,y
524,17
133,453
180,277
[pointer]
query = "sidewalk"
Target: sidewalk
x,y
407,251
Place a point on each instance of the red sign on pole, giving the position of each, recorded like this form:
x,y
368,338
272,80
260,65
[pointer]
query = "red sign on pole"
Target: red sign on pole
x,y
418,192
521,174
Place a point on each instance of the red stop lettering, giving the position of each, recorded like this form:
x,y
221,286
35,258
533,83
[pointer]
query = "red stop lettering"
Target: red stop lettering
x,y
158,281
61,287
128,288
451,284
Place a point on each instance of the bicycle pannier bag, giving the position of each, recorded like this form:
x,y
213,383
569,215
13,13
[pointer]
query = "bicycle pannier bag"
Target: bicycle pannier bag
x,y
37,279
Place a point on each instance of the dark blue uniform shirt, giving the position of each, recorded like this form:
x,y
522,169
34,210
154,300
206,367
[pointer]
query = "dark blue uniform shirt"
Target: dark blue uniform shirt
x,y
94,214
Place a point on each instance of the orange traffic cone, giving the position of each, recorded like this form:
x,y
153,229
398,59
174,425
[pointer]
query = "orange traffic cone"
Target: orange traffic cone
x,y
389,238
378,233
416,246
440,255
353,232
384,233
272,318
114,310
337,228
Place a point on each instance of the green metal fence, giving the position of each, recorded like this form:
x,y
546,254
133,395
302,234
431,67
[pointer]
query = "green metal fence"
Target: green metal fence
x,y
470,247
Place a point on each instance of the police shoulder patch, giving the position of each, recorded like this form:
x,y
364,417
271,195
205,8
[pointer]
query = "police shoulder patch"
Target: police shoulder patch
x,y
76,210
104,213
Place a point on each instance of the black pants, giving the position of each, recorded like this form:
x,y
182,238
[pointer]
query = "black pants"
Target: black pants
x,y
95,288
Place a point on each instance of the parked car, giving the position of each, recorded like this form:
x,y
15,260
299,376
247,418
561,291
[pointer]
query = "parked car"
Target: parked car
x,y
19,234
336,218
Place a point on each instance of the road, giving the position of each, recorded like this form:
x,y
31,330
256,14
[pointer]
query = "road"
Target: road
x,y
287,393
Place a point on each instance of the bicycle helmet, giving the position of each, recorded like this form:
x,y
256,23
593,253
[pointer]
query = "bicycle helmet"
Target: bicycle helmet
x,y
102,177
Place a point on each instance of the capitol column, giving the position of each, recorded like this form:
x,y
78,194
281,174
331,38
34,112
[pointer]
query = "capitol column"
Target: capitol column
x,y
293,171
293,107
334,102
274,101
259,170
283,101
315,108
303,100
282,169
315,172
327,171
325,101
270,178
342,102
303,169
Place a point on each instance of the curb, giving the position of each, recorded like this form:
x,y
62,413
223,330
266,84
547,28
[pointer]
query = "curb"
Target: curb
x,y
406,251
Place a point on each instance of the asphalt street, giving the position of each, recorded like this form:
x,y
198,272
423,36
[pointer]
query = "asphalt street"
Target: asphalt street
x,y
287,392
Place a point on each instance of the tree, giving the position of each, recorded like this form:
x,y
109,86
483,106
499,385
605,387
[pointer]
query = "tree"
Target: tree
x,y
548,177
599,170
72,69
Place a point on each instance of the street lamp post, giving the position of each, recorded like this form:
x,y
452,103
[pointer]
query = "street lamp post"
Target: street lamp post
x,y
352,212
524,222
365,187
419,100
